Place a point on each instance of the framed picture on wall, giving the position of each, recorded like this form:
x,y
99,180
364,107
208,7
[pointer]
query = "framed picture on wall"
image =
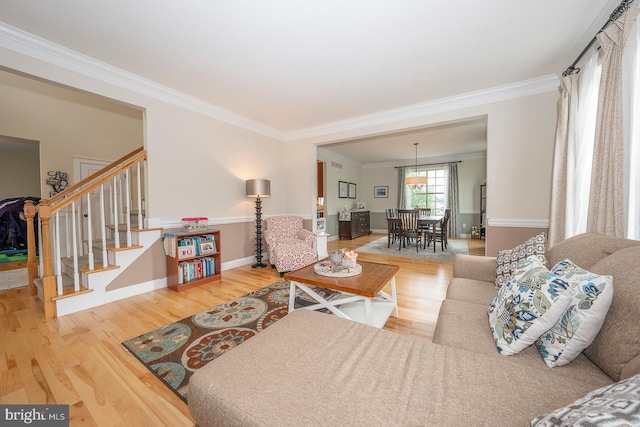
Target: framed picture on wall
x,y
343,189
381,191
352,190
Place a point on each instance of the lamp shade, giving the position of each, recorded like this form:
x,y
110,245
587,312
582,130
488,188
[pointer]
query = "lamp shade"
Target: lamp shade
x,y
415,180
258,188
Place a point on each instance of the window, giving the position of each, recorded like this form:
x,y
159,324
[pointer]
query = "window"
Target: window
x,y
433,195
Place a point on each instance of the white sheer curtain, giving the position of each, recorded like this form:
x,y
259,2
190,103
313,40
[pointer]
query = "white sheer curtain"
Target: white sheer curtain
x,y
573,156
582,144
596,173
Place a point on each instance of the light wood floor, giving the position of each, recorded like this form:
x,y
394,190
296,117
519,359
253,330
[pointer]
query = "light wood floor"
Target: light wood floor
x,y
78,360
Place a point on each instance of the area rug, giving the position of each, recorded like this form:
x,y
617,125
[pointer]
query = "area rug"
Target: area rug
x,y
10,279
379,247
174,352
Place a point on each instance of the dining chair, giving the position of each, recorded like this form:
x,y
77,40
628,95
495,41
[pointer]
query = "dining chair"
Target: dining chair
x,y
409,229
424,212
393,227
441,234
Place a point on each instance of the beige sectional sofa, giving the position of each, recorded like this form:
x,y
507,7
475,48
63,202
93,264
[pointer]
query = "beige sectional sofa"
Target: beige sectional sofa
x,y
315,369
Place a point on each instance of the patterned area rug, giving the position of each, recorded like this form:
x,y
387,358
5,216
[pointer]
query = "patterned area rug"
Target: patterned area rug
x,y
10,279
174,352
380,247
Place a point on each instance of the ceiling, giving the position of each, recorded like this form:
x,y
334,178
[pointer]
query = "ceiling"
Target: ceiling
x,y
292,65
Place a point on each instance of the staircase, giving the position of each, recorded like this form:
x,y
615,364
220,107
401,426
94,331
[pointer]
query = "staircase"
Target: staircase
x,y
87,238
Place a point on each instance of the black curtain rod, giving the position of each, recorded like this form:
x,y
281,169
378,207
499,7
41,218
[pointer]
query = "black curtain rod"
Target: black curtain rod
x,y
429,164
617,12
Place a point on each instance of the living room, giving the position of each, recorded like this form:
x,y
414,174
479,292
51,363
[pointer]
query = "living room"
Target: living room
x,y
191,141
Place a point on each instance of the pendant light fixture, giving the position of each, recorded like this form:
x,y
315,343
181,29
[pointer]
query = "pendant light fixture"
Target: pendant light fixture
x,y
416,181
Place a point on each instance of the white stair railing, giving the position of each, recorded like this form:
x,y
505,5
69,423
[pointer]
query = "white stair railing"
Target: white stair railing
x,y
70,240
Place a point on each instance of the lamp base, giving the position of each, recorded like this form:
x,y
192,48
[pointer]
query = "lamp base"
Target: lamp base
x,y
259,265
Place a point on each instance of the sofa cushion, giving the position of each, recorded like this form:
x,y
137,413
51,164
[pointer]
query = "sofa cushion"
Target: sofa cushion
x,y
470,290
618,341
587,249
578,326
617,404
526,307
315,369
462,325
508,259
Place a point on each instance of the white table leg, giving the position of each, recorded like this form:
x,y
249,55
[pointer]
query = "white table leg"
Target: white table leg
x,y
292,296
394,298
368,315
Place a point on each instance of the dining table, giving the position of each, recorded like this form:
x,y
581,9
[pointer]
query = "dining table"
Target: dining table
x,y
428,221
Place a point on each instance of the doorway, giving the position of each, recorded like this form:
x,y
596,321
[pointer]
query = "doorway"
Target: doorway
x,y
20,175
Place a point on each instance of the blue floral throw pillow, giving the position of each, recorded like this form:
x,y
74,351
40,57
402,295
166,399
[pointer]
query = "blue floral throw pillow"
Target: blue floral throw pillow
x,y
583,318
527,306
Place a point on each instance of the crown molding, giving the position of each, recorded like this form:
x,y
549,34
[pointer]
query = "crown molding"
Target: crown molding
x,y
530,87
27,44
32,46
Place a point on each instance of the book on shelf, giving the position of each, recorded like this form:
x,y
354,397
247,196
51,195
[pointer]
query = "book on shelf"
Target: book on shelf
x,y
196,270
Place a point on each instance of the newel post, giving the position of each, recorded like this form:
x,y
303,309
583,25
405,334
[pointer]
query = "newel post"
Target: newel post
x,y
48,279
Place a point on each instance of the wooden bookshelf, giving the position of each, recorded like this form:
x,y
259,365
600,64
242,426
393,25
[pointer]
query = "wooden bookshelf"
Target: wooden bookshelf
x,y
193,258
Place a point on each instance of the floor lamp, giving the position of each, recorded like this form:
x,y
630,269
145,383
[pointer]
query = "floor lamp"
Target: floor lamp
x,y
258,188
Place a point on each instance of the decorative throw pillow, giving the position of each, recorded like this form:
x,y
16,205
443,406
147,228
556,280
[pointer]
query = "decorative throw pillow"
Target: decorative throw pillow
x,y
617,404
526,307
583,318
508,260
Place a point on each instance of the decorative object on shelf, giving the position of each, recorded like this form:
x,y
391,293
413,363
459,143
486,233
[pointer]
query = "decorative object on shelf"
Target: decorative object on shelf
x,y
258,188
58,180
194,223
381,191
416,181
352,190
361,206
343,189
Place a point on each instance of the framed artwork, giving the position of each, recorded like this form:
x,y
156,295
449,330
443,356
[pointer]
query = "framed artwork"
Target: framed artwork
x,y
381,191
352,190
208,247
361,206
185,252
343,189
320,224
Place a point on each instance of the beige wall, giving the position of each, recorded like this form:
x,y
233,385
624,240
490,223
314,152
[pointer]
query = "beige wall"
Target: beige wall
x,y
67,123
19,175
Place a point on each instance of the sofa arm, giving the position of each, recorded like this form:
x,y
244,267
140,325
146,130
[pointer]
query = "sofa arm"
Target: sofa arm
x,y
306,236
475,267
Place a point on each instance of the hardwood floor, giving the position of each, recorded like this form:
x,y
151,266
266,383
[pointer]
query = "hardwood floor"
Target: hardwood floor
x,y
78,360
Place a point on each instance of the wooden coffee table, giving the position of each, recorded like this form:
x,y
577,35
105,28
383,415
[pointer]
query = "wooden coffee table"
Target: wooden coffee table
x,y
363,299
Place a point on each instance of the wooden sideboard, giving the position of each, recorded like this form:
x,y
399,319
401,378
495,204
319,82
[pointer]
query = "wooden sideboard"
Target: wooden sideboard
x,y
359,225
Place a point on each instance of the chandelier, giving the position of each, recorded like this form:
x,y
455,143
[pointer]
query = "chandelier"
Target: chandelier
x,y
416,181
